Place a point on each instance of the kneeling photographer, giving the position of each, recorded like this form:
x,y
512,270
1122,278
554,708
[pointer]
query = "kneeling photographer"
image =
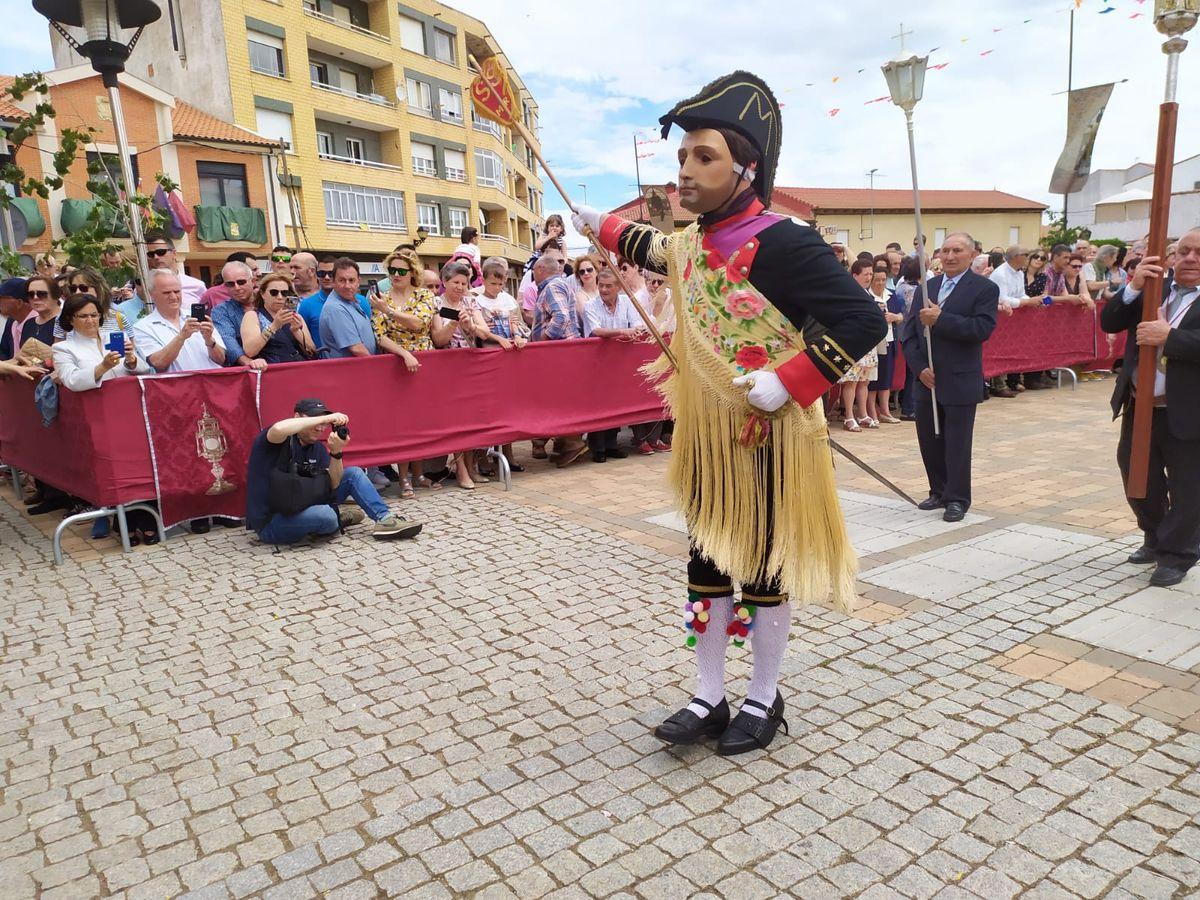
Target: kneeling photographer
x,y
295,482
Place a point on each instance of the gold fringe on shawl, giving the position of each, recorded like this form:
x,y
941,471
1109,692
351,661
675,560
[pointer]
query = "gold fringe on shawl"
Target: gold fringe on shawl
x,y
723,489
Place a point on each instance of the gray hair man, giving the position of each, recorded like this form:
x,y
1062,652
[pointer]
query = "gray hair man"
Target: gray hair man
x,y
227,317
1169,516
171,341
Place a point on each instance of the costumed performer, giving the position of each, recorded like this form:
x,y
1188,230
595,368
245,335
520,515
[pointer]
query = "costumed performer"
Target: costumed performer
x,y
767,320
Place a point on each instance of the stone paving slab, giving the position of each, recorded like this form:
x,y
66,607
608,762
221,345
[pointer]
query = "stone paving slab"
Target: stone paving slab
x,y
469,714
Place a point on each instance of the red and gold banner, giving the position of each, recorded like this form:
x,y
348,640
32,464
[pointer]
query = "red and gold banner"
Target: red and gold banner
x,y
200,428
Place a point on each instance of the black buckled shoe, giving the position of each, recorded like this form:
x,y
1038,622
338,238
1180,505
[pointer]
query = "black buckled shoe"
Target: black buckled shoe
x,y
750,732
685,727
1142,556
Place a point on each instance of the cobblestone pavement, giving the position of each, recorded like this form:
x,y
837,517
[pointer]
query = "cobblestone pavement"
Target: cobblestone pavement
x,y
469,713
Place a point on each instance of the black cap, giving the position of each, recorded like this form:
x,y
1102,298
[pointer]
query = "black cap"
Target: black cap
x,y
13,287
311,406
743,102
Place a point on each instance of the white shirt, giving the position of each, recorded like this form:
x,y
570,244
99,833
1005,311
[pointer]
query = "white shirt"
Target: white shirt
x,y
76,358
472,250
1129,295
153,332
596,314
502,304
1011,283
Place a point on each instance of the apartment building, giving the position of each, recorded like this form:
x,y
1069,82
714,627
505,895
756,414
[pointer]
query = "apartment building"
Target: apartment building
x,y
369,101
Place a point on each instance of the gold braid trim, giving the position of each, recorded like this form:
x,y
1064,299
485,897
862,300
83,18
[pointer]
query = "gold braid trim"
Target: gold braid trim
x,y
724,490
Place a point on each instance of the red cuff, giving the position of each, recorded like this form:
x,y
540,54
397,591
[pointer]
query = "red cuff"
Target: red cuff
x,y
802,379
611,228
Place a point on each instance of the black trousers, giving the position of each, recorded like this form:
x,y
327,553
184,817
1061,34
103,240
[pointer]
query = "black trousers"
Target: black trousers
x,y
947,456
1169,516
603,440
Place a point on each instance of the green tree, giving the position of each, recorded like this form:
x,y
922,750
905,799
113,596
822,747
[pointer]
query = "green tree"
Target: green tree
x,y
109,216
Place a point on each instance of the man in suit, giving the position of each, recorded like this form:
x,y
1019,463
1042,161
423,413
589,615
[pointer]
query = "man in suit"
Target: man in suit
x,y
961,316
1169,516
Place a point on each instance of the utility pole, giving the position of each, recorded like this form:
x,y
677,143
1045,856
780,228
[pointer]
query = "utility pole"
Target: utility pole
x,y
1070,75
871,176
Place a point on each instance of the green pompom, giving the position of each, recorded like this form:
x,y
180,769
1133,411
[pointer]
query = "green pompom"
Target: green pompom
x,y
737,643
691,641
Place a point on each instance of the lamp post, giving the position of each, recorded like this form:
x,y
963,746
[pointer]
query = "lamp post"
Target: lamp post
x,y
1173,18
102,21
906,83
584,186
422,234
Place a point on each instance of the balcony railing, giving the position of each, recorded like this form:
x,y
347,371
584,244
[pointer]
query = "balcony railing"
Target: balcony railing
x,y
366,163
453,174
454,118
349,26
488,181
377,99
424,167
487,126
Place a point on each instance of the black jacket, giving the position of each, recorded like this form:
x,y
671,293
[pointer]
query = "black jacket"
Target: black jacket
x,y
968,319
1182,351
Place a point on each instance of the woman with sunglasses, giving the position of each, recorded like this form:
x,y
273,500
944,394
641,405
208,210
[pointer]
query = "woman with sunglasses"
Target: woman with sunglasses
x,y
272,330
455,331
82,359
43,295
86,280
1035,274
401,319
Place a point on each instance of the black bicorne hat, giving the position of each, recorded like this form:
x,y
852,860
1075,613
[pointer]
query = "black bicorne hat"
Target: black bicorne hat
x,y
743,102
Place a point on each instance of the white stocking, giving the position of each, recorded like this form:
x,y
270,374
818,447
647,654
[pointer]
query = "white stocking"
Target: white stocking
x,y
710,655
768,640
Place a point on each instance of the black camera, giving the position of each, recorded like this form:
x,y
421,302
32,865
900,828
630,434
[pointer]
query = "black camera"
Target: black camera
x,y
307,468
342,431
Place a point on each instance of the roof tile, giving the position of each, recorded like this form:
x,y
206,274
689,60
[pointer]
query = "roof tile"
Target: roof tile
x,y
189,122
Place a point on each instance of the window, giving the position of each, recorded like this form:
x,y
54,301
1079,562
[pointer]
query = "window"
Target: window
x,y
348,81
458,219
222,184
318,73
353,204
1014,235
355,149
266,54
451,104
412,35
843,237
443,45
420,99
456,166
939,236
428,216
274,125
105,168
423,160
324,143
489,171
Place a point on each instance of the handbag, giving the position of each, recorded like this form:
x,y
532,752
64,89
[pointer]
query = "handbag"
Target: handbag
x,y
289,492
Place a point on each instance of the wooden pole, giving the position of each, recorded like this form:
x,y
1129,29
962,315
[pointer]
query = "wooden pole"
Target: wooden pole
x,y
600,251
1160,213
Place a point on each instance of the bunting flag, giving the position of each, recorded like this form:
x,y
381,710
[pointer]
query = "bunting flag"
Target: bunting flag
x,y
833,112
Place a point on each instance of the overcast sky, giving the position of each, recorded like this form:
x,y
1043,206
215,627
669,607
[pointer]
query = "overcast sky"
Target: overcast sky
x,y
603,71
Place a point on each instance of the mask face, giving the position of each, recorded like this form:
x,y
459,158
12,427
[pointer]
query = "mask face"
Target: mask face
x,y
708,175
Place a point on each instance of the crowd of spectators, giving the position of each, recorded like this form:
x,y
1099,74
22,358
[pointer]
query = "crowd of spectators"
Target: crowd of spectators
x,y
83,329
87,325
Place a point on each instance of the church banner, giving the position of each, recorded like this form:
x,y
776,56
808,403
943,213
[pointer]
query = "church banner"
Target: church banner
x,y
1085,109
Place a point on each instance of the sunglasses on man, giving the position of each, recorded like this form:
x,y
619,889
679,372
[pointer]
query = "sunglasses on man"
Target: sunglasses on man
x,y
281,257
79,288
324,273
39,295
161,251
395,272
240,282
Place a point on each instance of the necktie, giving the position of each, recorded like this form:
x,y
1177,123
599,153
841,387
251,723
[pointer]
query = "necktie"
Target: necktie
x,y
1175,301
945,289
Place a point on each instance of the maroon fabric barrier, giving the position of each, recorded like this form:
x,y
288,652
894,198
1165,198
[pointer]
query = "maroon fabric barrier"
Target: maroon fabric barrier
x,y
1031,340
1109,347
97,449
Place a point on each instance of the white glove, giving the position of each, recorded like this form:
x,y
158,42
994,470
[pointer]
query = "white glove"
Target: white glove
x,y
766,390
585,217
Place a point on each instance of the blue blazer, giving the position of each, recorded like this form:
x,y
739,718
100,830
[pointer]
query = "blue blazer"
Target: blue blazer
x,y
968,319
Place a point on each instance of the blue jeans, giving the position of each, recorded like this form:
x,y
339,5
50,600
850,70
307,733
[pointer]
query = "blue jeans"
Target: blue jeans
x,y
323,519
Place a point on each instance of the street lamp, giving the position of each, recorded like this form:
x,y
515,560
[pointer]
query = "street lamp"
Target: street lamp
x,y
906,83
584,186
422,234
102,22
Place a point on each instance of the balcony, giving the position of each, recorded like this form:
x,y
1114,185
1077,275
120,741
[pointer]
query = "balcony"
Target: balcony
x,y
487,126
453,174
365,163
349,26
377,99
426,167
360,206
